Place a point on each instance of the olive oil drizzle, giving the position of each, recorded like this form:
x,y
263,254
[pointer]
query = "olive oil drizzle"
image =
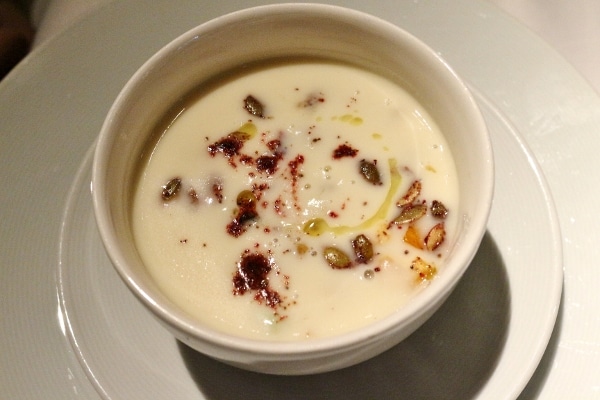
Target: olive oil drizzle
x,y
318,226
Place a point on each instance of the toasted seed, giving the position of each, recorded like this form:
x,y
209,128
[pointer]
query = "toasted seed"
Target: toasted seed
x,y
246,199
411,194
369,171
239,135
435,237
438,209
410,213
336,258
363,249
253,106
315,227
171,189
424,270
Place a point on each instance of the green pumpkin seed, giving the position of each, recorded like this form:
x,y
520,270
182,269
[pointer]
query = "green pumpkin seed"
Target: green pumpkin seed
x,y
363,249
253,106
369,171
246,199
241,136
336,258
170,190
410,213
411,194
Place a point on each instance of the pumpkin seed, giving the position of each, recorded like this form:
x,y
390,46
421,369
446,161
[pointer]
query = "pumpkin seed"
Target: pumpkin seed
x,y
246,199
336,258
171,189
435,237
410,213
239,135
363,249
253,106
411,194
369,171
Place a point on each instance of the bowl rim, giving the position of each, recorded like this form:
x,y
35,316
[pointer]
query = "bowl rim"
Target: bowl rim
x,y
405,316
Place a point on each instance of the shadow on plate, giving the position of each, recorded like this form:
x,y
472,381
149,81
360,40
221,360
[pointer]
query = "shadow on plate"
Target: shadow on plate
x,y
536,383
451,356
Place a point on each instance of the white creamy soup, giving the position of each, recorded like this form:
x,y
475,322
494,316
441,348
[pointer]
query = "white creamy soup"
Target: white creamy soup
x,y
297,200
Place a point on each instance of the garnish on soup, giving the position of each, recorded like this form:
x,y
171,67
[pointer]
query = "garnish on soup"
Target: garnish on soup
x,y
330,185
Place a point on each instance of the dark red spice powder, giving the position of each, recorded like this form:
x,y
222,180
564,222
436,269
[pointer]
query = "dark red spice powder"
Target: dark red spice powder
x,y
279,206
258,189
268,163
252,275
296,174
229,146
246,213
343,150
217,189
274,145
193,195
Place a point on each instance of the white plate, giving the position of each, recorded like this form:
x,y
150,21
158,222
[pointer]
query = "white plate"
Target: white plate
x,y
473,335
51,108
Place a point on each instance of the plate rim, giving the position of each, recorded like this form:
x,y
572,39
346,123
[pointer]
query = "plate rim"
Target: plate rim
x,y
14,79
547,324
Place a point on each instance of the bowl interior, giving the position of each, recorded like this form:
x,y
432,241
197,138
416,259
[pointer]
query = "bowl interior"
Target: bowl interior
x,y
285,31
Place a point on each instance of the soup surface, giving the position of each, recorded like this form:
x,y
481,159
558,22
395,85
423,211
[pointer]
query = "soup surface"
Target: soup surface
x,y
296,201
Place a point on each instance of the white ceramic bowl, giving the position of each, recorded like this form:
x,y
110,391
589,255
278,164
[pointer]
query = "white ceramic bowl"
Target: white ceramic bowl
x,y
278,31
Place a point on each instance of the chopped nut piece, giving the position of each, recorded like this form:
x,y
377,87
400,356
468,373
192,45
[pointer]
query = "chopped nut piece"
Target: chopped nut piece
x,y
411,194
424,270
410,213
435,237
336,258
363,249
171,189
413,237
438,209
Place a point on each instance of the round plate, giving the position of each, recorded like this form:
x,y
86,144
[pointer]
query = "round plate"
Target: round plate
x,y
484,343
489,336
